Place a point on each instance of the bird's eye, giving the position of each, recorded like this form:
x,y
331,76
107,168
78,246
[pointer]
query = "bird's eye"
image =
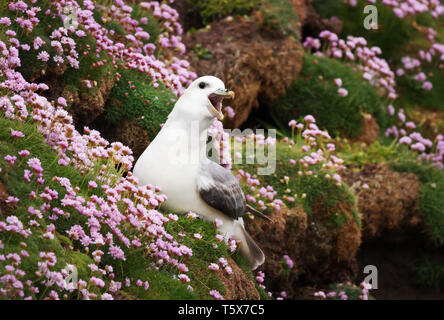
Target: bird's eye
x,y
202,85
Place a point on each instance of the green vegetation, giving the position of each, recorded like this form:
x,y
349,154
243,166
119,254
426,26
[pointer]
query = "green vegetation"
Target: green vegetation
x,y
213,10
315,93
382,150
392,36
278,14
396,38
432,196
412,94
201,52
428,271
135,98
308,191
352,292
162,283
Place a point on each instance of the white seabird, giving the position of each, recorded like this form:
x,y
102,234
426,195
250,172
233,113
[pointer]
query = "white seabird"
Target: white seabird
x,y
176,160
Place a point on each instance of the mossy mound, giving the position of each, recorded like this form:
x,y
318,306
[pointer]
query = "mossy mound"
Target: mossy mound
x,y
397,38
315,93
392,36
135,110
280,15
213,10
138,265
322,223
135,98
428,271
431,197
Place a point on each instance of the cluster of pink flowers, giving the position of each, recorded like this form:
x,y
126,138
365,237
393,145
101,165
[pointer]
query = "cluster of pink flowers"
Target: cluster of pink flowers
x,y
428,150
354,50
264,197
126,215
316,149
403,8
412,66
131,51
339,294
341,91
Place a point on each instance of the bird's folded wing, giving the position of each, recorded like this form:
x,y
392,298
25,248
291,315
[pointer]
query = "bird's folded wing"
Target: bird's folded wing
x,y
220,189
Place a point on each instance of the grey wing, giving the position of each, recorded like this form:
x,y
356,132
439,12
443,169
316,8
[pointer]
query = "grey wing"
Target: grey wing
x,y
220,189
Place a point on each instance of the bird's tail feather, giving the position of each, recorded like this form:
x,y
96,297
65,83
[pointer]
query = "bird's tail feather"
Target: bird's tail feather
x,y
252,251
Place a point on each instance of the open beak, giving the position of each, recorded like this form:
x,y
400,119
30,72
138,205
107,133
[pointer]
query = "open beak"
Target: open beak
x,y
215,102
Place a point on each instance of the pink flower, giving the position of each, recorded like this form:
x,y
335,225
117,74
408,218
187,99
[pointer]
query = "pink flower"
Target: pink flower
x,y
24,153
405,140
184,278
44,56
216,295
197,236
10,159
309,119
92,184
418,147
320,294
410,125
338,82
62,101
12,199
213,267
107,296
342,92
288,261
337,177
218,223
427,86
17,134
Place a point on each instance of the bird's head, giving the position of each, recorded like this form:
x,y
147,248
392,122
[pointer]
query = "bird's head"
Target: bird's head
x,y
202,100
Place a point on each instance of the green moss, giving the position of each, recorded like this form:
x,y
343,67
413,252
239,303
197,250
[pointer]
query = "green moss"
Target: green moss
x,y
396,38
392,36
309,191
315,93
382,150
280,15
163,285
353,292
152,26
129,97
30,65
203,252
213,10
412,94
428,271
81,261
74,78
432,196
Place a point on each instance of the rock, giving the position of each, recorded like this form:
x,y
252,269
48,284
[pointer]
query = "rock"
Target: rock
x,y
370,131
301,7
389,207
86,107
248,59
129,132
321,252
238,286
313,24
